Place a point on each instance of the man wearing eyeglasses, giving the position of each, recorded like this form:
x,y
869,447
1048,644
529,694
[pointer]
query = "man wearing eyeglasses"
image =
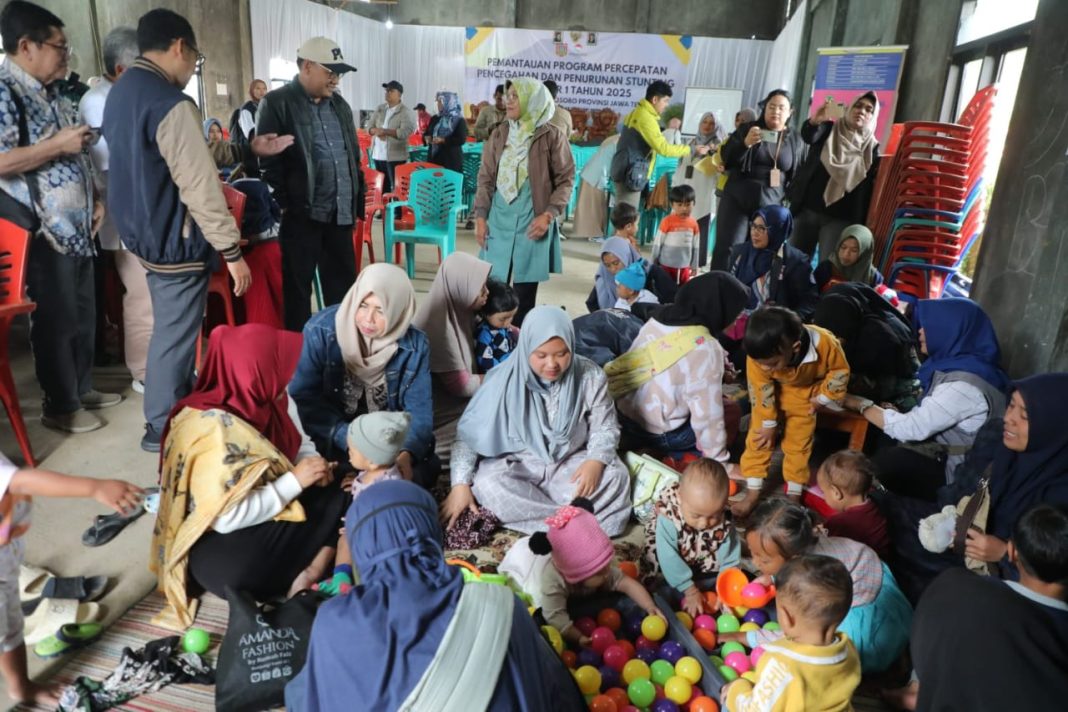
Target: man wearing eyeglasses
x,y
46,188
167,202
317,181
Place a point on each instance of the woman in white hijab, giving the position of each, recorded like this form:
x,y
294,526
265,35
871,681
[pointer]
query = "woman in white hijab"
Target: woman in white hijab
x,y
361,356
699,173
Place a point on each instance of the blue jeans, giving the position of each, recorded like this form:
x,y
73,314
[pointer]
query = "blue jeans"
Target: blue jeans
x,y
676,442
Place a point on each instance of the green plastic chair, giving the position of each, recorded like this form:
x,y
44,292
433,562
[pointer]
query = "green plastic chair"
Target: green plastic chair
x,y
435,197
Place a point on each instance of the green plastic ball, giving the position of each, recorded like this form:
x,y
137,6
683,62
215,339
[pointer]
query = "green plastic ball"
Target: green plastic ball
x,y
771,625
196,640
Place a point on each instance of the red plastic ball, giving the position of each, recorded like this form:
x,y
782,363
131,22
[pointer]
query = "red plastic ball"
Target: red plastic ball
x,y
601,638
586,625
629,568
570,658
603,703
609,618
619,696
643,642
615,656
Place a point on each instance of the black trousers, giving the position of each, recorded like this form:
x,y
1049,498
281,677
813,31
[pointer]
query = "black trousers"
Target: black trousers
x,y
63,326
264,559
387,168
307,244
528,297
732,227
909,473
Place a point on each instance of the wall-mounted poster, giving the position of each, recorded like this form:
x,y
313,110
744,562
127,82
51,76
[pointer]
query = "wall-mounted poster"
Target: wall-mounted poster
x,y
844,73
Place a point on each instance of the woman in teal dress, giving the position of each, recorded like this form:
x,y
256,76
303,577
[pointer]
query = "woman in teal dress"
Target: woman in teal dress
x,y
524,184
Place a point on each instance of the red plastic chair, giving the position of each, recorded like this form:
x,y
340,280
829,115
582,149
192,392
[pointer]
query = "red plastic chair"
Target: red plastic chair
x,y
373,205
14,253
219,281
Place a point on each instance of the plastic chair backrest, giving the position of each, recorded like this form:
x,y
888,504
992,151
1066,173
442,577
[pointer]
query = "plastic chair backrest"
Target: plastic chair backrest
x,y
235,203
14,254
432,196
402,176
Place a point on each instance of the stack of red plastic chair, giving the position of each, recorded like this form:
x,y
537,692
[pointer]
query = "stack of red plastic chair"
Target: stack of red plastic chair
x,y
372,205
364,140
14,254
928,209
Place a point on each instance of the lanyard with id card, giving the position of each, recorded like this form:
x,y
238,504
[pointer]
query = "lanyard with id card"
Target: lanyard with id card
x,y
775,176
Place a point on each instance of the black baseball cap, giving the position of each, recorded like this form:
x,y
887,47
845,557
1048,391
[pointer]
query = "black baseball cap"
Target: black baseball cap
x,y
394,84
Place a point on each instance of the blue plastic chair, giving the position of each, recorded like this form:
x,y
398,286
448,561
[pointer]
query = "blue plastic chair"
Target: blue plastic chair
x,y
435,197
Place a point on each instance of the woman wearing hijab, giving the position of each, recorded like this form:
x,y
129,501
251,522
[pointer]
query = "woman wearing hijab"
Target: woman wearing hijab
x,y
447,133
851,260
237,503
618,253
363,355
774,271
412,636
524,185
1024,456
711,134
224,153
760,159
668,386
834,188
963,385
540,431
447,316
877,342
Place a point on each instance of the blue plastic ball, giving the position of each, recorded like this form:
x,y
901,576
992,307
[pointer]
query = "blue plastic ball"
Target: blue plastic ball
x,y
671,651
664,705
589,656
647,655
610,678
756,615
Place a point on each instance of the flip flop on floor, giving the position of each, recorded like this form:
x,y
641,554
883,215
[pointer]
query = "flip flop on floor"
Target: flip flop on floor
x,y
107,526
81,588
32,580
54,613
69,637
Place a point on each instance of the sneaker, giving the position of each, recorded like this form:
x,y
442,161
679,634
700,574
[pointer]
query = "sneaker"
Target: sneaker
x,y
137,386
80,421
94,400
151,440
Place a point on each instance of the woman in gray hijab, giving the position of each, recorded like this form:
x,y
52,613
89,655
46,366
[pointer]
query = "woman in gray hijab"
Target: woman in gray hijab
x,y
540,431
697,172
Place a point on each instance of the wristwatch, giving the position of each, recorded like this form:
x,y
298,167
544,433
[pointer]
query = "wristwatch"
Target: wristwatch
x,y
865,403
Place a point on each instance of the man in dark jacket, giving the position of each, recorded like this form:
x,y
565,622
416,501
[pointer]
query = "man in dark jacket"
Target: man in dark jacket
x,y
317,181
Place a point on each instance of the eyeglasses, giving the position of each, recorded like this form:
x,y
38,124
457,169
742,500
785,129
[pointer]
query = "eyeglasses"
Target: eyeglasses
x,y
65,49
330,72
200,57
758,228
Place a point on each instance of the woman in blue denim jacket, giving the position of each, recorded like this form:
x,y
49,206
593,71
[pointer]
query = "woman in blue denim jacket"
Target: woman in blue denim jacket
x,y
361,356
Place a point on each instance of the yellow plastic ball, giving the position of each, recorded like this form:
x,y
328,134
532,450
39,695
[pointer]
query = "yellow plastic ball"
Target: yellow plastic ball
x,y
688,668
589,679
746,627
678,690
654,627
685,618
555,639
740,611
750,675
636,670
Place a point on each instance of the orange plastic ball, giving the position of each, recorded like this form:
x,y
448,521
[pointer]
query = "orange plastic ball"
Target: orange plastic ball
x,y
705,638
570,658
603,703
627,646
629,568
732,488
610,619
703,704
619,696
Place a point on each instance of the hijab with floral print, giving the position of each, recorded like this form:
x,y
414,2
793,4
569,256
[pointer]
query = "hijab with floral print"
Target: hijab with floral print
x,y
536,107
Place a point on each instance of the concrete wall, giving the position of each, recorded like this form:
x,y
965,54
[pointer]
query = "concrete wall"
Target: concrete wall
x,y
221,26
1022,276
706,18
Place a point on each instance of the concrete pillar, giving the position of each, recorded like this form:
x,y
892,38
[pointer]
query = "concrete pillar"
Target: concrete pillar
x,y
1022,275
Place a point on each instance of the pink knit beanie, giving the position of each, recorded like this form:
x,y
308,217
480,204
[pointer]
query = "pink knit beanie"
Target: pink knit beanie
x,y
580,546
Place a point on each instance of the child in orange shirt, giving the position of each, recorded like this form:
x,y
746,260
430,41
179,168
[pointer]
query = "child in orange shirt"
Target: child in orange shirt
x,y
678,237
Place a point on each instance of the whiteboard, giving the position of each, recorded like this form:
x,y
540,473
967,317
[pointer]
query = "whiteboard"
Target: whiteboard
x,y
724,103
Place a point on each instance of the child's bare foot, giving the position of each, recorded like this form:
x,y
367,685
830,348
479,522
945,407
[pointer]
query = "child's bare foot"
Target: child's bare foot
x,y
31,693
742,508
314,573
903,698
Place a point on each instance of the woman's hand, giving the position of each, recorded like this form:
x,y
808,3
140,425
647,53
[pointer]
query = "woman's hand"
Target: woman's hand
x,y
752,138
437,140
480,232
118,495
313,470
539,226
460,498
701,150
765,438
404,464
588,477
984,547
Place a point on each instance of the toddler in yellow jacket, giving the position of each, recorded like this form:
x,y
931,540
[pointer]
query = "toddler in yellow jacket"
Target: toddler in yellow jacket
x,y
792,369
814,667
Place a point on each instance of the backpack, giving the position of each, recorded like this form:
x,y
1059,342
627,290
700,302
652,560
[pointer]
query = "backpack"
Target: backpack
x,y
237,136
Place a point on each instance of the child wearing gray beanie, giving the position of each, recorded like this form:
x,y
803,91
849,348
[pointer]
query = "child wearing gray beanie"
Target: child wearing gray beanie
x,y
375,441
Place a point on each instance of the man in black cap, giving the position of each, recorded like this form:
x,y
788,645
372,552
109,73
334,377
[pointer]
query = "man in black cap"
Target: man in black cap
x,y
391,125
317,181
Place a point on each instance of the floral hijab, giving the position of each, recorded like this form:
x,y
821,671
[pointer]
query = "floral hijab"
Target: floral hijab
x,y
451,113
536,107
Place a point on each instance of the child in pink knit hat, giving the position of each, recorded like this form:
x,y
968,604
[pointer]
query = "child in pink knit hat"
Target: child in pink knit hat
x,y
582,563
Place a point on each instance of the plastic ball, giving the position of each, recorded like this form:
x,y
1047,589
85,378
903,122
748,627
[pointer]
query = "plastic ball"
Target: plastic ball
x,y
740,611
627,646
738,661
629,568
643,643
636,670
619,696
601,638
705,638
689,668
731,647
678,689
586,625
641,692
771,625
609,677
711,600
672,651
633,626
750,676
555,639
756,615
615,657
727,623
755,654
647,655
664,706
716,660
589,656
661,671
654,627
703,704
705,622
570,658
629,707
729,585
747,627
754,595
588,679
728,673
685,619
196,640
609,618
603,703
